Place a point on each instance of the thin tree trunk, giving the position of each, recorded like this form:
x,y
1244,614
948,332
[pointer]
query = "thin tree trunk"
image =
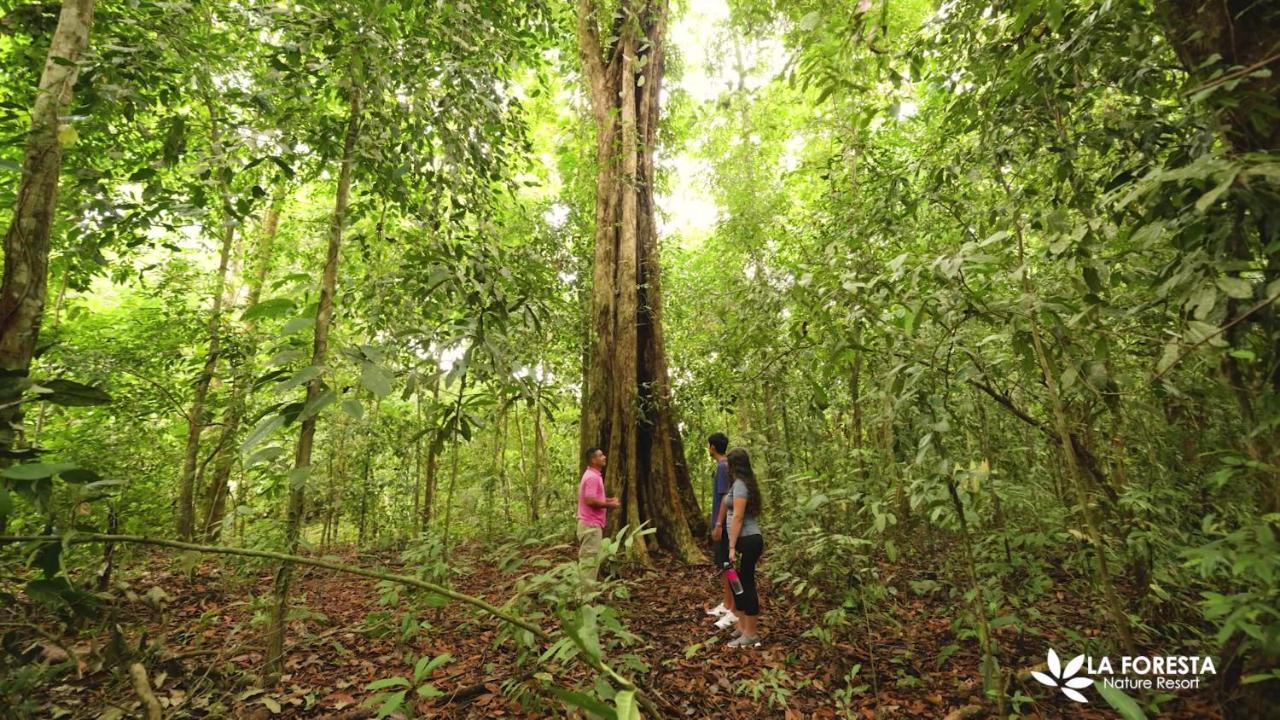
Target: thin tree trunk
x,y
364,501
26,242
1080,481
453,469
502,465
433,458
306,436
216,493
539,457
57,319
417,467
529,480
195,417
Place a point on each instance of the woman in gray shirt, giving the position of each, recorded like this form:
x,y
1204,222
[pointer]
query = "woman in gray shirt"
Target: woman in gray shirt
x,y
745,542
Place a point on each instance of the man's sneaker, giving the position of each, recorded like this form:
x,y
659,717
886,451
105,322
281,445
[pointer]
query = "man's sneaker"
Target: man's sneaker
x,y
728,619
717,611
745,641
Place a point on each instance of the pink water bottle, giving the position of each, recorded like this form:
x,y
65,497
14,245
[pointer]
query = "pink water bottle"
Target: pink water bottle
x,y
732,576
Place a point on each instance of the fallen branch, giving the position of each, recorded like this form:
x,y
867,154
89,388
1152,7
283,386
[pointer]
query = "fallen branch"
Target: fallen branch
x,y
81,538
150,704
965,712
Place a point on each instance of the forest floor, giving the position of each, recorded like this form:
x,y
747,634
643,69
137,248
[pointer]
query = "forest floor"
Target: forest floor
x,y
209,629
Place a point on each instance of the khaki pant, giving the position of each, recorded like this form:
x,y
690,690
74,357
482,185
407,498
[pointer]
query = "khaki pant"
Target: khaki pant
x,y
589,539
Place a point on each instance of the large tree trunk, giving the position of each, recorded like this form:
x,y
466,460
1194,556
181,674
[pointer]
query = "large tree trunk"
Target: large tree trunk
x,y
26,242
307,433
627,403
195,417
1244,34
216,493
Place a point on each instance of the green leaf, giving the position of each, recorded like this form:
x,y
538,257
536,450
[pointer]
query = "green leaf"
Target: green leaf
x,y
6,503
1236,287
354,408
266,454
627,708
385,683
275,307
586,702
1208,198
437,661
313,408
36,471
265,427
297,324
376,379
301,378
73,394
1122,703
394,701
80,476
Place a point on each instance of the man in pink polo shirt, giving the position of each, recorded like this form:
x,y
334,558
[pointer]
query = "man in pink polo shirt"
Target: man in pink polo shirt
x,y
592,507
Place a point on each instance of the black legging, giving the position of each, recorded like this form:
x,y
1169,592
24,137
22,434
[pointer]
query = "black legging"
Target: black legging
x,y
749,548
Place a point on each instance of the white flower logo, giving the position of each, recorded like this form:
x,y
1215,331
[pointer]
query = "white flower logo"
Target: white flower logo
x,y
1065,679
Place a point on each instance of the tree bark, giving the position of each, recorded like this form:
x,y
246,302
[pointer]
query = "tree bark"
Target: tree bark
x,y
1243,33
320,349
195,417
433,460
627,403
216,494
26,242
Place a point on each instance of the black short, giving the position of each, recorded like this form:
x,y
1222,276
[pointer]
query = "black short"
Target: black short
x,y
722,549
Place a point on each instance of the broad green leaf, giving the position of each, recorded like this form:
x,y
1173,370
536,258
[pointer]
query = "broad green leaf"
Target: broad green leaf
x,y
72,394
385,683
273,308
80,476
1236,287
627,708
266,454
1122,703
315,406
393,702
302,377
376,379
36,470
586,702
354,408
265,427
297,324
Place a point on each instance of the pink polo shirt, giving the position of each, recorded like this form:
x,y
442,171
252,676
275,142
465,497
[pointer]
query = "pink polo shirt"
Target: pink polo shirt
x,y
592,486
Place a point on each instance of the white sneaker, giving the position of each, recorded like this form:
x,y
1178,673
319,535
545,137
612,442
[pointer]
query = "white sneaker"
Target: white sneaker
x,y
717,611
728,619
744,641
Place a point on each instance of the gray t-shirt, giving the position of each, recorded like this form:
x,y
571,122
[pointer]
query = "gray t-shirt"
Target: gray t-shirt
x,y
749,524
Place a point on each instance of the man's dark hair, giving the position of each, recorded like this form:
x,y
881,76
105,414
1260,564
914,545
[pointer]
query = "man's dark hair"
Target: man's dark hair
x,y
718,441
590,453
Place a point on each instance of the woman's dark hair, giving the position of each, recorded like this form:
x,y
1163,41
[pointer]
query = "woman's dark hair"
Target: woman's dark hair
x,y
718,441
740,469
